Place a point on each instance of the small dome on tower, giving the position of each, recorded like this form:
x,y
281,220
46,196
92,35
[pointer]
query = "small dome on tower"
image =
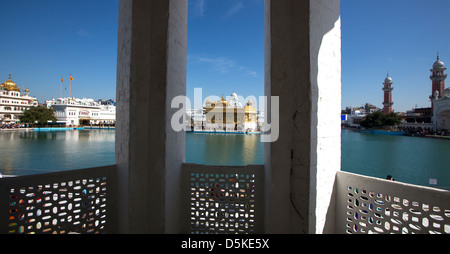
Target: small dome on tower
x,y
446,93
438,64
388,80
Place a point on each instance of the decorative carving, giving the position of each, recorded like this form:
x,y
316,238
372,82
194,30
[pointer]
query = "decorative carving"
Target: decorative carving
x,y
222,203
370,212
77,206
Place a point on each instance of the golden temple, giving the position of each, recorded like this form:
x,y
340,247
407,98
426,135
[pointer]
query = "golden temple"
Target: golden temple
x,y
10,85
230,115
14,101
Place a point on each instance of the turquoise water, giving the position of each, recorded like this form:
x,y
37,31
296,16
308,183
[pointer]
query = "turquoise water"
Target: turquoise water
x,y
36,152
408,159
224,149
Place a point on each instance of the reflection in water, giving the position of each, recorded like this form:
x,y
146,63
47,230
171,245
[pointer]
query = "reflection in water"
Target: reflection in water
x,y
408,159
224,149
34,152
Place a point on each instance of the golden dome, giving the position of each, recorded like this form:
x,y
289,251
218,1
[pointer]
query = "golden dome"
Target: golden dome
x,y
10,85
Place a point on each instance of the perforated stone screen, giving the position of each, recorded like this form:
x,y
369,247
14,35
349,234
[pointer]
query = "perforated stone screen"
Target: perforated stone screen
x,y
53,204
369,205
223,200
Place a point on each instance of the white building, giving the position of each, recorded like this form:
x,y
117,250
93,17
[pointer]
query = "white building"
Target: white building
x,y
14,101
76,112
195,119
440,97
441,110
357,114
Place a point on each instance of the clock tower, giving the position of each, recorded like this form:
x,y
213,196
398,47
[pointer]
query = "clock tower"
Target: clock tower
x,y
438,78
388,103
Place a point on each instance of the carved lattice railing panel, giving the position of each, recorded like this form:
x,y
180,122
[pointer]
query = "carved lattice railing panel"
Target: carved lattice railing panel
x,y
79,201
368,205
223,200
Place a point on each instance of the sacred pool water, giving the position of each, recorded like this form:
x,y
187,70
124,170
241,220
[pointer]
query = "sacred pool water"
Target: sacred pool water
x,y
422,161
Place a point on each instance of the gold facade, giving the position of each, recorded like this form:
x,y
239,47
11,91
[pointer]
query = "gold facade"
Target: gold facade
x,y
223,113
9,85
13,101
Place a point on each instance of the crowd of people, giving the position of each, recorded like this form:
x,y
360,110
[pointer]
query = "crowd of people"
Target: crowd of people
x,y
20,125
419,131
413,131
14,125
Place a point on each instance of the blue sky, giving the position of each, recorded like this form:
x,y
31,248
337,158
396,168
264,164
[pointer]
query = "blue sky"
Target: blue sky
x,y
42,40
401,37
226,47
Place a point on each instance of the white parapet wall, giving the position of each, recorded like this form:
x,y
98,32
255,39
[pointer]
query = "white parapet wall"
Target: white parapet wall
x,y
366,205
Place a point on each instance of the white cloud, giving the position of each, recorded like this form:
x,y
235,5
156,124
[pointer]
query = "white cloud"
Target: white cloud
x,y
199,7
251,73
234,9
82,32
219,64
222,65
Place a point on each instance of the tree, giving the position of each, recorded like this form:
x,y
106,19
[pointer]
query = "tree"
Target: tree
x,y
40,115
374,119
392,119
379,119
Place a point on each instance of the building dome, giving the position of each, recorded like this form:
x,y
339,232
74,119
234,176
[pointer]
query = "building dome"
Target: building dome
x,y
10,85
234,100
446,93
388,80
438,64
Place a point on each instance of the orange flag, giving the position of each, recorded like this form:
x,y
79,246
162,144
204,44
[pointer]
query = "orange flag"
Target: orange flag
x,y
62,80
71,78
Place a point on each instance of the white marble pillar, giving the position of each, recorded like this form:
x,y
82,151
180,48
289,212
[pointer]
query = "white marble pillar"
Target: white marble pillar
x,y
302,67
151,71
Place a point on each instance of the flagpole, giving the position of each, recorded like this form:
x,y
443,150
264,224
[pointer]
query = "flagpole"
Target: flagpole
x,y
70,85
61,85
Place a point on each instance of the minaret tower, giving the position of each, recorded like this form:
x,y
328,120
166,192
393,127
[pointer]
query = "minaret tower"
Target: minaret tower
x,y
388,103
438,77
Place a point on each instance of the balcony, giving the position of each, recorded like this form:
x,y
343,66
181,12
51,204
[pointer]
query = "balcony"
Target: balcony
x,y
216,199
150,190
